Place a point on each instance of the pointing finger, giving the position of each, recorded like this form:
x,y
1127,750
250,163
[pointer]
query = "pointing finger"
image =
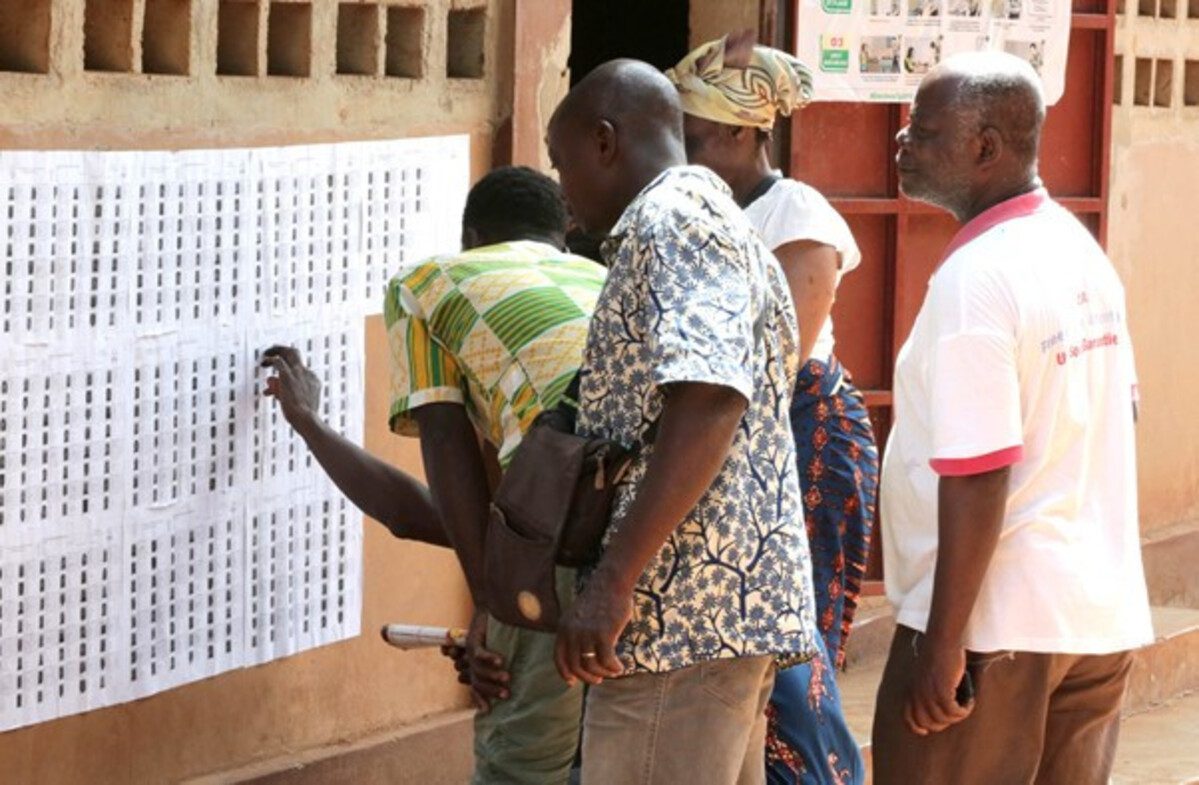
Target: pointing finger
x,y
290,355
279,366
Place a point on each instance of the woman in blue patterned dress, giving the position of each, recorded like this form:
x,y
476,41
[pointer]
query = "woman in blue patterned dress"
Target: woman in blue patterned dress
x,y
731,92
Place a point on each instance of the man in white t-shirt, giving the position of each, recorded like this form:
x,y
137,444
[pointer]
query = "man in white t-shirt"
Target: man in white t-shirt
x,y
1009,508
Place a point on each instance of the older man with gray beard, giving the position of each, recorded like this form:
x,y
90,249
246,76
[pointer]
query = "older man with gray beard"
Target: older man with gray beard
x,y
1009,483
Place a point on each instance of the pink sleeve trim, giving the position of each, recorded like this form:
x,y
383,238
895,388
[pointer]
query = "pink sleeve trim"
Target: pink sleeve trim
x,y
964,467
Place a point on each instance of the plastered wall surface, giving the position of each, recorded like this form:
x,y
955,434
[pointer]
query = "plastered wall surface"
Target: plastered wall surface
x,y
542,76
1154,244
713,18
70,106
341,693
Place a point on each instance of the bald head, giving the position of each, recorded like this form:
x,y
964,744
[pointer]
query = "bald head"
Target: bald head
x,y
973,134
998,90
625,92
615,131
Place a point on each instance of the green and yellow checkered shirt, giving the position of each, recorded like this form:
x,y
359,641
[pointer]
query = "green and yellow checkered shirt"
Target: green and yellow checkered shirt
x,y
499,329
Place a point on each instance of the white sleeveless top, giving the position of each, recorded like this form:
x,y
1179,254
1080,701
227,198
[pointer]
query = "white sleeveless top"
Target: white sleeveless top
x,y
792,211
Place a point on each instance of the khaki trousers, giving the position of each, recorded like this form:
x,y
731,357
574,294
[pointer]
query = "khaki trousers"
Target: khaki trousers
x,y
530,738
702,725
1048,719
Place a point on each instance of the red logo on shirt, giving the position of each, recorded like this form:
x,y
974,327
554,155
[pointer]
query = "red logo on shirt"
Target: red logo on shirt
x,y
1088,344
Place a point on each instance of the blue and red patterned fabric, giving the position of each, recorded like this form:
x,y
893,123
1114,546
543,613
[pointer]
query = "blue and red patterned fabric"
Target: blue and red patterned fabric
x,y
807,739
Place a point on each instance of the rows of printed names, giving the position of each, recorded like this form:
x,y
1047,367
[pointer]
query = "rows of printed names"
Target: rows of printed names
x,y
159,522
114,613
151,243
154,423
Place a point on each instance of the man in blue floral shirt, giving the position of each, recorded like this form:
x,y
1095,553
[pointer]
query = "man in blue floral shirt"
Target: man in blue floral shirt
x,y
705,583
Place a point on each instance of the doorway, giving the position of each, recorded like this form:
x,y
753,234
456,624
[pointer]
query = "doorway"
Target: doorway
x,y
656,32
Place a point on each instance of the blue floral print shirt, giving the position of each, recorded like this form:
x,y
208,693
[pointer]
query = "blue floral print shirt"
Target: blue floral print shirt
x,y
693,296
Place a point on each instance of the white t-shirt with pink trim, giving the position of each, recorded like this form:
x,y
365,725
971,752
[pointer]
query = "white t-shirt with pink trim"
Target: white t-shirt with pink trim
x,y
1021,356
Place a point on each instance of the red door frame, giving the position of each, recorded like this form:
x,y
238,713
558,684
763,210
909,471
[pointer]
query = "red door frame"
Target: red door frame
x,y
846,150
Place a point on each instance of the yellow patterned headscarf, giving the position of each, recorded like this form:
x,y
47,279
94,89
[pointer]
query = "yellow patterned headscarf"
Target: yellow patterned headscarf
x,y
773,83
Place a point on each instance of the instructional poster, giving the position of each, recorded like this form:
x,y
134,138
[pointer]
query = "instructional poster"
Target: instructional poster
x,y
878,50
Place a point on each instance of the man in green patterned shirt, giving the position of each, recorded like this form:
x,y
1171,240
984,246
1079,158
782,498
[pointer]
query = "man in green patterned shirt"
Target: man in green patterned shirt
x,y
495,330
481,343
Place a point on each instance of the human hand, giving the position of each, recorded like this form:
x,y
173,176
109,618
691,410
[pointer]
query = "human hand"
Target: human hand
x,y
295,386
932,704
480,669
587,634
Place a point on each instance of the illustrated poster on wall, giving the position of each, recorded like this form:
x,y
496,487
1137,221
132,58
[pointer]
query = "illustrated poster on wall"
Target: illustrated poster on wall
x,y
159,522
879,50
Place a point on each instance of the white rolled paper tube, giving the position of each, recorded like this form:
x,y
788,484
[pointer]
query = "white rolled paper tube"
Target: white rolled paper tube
x,y
414,636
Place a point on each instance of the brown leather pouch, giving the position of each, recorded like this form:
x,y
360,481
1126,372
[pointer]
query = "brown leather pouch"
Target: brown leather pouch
x,y
551,508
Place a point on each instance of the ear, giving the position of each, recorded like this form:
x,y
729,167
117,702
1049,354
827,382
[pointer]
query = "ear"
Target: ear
x,y
605,140
737,133
990,146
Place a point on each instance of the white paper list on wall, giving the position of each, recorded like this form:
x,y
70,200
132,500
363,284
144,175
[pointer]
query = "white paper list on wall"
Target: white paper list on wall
x,y
159,523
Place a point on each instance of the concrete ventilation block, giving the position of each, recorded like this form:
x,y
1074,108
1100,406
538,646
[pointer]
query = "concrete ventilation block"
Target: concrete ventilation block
x,y
166,37
1118,80
1163,83
289,39
25,36
464,45
405,36
1193,9
1142,88
1168,9
1190,83
1147,8
357,38
237,38
108,35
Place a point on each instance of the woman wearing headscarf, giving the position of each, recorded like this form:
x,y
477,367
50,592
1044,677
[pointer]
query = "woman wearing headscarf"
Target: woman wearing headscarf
x,y
732,91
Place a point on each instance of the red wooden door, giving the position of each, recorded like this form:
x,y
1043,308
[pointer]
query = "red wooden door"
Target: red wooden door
x,y
846,150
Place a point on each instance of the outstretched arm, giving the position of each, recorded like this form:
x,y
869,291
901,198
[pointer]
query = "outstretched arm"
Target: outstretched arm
x,y
391,496
402,503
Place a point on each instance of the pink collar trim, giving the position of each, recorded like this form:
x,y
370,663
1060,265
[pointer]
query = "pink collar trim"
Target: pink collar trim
x,y
1016,207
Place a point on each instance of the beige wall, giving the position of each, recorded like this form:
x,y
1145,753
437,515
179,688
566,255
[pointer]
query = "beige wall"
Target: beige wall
x,y
339,693
1154,242
714,18
77,108
541,76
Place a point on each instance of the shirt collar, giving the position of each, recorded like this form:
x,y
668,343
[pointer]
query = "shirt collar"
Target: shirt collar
x,y
1016,207
629,215
508,245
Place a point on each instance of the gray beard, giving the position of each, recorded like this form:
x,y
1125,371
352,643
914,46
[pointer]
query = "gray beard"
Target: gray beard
x,y
951,196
